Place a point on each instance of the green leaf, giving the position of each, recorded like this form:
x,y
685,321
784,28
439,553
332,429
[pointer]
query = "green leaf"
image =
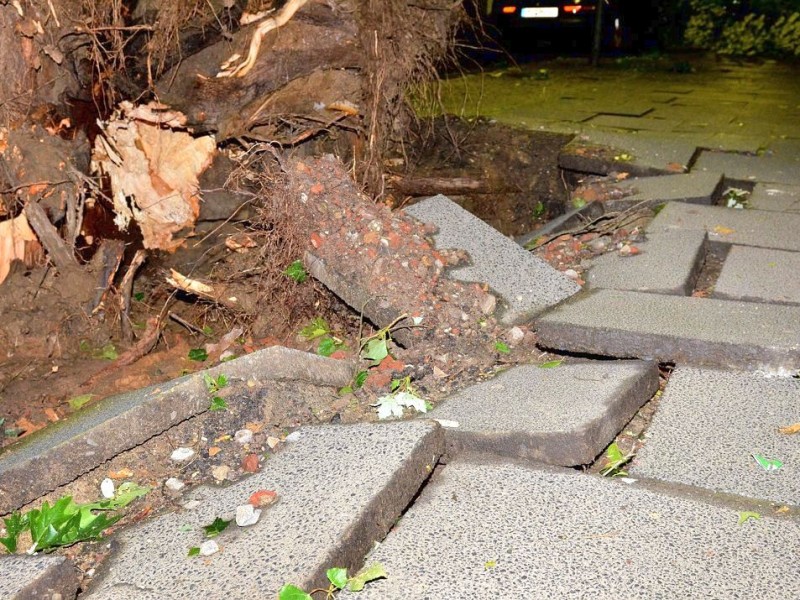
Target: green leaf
x,y
615,460
14,525
489,564
193,551
292,592
745,516
138,296
207,330
551,364
338,577
108,352
218,526
13,432
198,354
218,403
348,389
376,349
501,347
538,210
327,346
185,528
578,202
78,401
357,582
296,271
317,328
359,379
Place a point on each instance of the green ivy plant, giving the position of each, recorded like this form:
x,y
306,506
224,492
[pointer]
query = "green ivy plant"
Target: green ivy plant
x,y
339,580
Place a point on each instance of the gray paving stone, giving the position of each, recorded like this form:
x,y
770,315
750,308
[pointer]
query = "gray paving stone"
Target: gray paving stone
x,y
526,284
777,197
643,123
694,331
668,263
695,188
708,425
488,530
765,169
651,153
63,451
743,227
760,275
340,489
562,416
37,578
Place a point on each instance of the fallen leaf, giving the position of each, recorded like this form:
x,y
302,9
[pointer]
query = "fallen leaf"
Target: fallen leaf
x,y
253,426
722,230
790,429
250,463
51,415
262,498
123,473
214,450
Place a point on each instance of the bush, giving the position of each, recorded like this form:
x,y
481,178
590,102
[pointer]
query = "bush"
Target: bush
x,y
786,35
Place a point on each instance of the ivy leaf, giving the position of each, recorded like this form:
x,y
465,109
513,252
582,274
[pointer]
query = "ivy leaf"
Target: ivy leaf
x,y
357,582
198,354
218,526
292,592
338,577
502,347
317,328
359,379
327,346
375,350
551,364
194,551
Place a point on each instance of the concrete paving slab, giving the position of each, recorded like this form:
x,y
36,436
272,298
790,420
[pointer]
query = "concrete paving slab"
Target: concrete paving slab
x,y
742,227
526,284
668,263
695,188
642,154
340,489
708,425
694,331
40,577
760,275
561,416
765,169
776,197
484,530
65,450
632,123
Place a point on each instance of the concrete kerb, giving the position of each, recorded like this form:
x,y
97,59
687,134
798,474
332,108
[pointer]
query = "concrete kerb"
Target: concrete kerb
x,y
562,416
734,414
340,489
37,578
526,284
60,453
486,529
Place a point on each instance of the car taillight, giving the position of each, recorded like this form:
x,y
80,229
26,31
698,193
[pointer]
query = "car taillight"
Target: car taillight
x,y
509,10
576,8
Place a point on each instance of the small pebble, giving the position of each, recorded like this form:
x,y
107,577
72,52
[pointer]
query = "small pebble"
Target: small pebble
x,y
208,548
220,473
293,437
174,484
515,335
107,488
572,274
247,514
243,436
191,504
181,454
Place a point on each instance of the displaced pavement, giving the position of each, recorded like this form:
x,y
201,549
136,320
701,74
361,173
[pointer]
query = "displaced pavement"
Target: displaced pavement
x,y
465,507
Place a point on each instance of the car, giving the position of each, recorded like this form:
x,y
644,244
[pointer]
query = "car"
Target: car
x,y
558,21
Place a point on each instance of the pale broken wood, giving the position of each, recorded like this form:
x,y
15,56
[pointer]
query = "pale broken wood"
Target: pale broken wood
x,y
17,242
279,20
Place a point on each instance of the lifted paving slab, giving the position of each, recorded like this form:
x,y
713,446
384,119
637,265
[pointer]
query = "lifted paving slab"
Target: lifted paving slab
x,y
695,331
340,489
761,275
766,169
37,578
777,197
65,450
708,425
489,530
562,416
668,263
695,188
759,228
526,284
